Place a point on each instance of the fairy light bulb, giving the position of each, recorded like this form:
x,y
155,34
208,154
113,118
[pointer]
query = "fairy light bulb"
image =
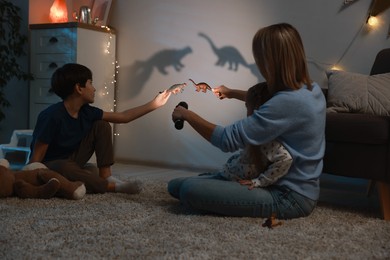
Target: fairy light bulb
x,y
335,67
372,21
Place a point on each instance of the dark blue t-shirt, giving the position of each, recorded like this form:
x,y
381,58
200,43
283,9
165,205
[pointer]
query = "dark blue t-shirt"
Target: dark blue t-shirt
x,y
62,132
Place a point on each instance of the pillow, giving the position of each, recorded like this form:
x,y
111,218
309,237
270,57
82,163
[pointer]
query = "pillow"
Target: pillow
x,y
358,93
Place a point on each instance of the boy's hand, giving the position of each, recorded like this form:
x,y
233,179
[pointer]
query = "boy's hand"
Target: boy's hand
x,y
162,98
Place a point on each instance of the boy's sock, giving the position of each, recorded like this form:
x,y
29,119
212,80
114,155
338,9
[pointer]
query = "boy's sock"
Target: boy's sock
x,y
131,187
114,179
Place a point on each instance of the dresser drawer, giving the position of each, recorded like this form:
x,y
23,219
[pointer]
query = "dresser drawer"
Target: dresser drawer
x,y
62,40
44,65
39,92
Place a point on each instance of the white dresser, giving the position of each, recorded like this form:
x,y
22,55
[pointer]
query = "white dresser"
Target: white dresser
x,y
53,45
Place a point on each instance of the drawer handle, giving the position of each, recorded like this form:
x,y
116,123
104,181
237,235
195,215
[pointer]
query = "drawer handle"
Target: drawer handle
x,y
53,65
53,40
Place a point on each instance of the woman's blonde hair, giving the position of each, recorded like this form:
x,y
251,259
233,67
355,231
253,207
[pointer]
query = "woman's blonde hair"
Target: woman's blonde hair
x,y
280,57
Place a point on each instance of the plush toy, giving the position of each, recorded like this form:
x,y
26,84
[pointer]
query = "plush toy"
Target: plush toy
x,y
37,181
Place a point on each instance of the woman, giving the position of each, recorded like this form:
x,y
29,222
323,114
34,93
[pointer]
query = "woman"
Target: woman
x,y
294,116
257,165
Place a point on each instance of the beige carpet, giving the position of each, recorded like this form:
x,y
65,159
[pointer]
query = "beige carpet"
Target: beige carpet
x,y
152,225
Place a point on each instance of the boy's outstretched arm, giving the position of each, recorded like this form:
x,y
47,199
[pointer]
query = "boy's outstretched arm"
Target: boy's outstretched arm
x,y
136,112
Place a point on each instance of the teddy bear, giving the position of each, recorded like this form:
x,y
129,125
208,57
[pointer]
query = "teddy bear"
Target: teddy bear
x,y
35,180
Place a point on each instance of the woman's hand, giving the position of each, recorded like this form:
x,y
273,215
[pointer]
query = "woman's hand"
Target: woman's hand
x,y
221,92
200,125
224,92
178,112
248,183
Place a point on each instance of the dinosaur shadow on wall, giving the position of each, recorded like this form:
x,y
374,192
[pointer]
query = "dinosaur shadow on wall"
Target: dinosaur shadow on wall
x,y
231,56
140,71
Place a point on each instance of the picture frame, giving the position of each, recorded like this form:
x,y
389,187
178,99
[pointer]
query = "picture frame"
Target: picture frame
x,y
101,11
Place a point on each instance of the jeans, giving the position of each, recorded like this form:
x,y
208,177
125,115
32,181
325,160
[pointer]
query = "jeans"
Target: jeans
x,y
212,193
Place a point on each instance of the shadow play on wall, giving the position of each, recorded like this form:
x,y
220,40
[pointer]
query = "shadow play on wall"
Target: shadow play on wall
x,y
141,71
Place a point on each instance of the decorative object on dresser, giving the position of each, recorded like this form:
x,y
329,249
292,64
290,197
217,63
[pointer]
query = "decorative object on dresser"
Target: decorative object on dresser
x,y
358,138
85,15
101,11
58,12
53,45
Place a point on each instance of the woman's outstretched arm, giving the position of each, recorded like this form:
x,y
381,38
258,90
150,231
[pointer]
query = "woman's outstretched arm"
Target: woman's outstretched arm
x,y
202,126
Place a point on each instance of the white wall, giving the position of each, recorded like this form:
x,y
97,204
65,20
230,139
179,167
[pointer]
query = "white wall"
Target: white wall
x,y
148,27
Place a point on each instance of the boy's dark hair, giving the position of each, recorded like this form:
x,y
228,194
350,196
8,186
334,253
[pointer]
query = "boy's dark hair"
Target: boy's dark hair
x,y
65,78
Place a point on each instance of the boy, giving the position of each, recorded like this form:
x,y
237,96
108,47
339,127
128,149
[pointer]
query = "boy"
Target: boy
x,y
69,132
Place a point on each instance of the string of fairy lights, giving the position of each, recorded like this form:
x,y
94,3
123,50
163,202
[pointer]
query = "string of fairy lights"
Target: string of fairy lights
x,y
110,84
371,22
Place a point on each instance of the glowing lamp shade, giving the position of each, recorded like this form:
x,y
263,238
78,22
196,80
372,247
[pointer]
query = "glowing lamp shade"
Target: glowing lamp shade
x,y
59,12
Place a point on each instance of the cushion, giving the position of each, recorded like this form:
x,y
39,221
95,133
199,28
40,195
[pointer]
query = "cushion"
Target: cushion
x,y
357,93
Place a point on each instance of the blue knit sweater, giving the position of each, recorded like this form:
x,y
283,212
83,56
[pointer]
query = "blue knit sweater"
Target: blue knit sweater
x,y
297,120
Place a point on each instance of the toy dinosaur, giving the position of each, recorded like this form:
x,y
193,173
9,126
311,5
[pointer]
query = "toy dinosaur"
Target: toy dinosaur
x,y
201,86
176,88
272,222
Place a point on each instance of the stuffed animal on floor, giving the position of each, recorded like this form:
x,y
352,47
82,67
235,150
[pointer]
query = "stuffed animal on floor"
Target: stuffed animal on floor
x,y
37,181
